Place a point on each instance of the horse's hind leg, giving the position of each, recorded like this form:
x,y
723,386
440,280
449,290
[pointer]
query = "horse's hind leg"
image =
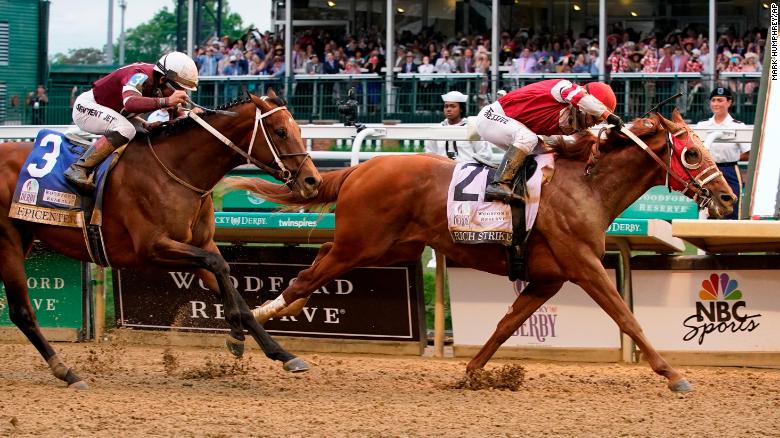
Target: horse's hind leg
x,y
237,313
533,296
20,311
235,341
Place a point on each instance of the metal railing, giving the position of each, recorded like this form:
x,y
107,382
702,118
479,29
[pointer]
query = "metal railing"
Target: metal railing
x,y
415,98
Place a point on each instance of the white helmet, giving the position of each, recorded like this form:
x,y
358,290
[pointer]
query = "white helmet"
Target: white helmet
x,y
179,68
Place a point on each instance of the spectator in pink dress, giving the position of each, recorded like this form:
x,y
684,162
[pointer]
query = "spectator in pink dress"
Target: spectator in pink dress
x,y
665,63
617,61
679,60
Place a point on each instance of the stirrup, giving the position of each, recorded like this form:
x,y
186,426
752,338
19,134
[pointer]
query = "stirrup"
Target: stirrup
x,y
80,178
501,192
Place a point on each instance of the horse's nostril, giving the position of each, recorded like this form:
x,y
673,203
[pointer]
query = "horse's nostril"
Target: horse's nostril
x,y
726,198
310,181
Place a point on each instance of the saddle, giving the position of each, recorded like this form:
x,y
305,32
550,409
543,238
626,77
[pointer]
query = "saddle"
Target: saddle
x,y
517,252
44,196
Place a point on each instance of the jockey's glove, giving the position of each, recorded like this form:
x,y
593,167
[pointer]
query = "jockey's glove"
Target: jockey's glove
x,y
613,119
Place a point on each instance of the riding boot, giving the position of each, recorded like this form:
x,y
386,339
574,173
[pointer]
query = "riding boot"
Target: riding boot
x,y
79,173
500,189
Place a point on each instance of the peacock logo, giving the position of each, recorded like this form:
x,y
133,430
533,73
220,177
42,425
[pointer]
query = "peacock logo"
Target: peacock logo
x,y
727,286
720,309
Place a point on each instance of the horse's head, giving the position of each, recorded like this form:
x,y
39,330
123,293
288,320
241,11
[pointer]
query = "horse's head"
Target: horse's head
x,y
285,149
689,166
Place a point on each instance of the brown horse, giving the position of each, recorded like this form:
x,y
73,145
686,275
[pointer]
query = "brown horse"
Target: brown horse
x,y
390,208
158,211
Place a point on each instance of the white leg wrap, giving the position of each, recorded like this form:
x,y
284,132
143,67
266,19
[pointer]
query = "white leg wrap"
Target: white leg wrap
x,y
270,309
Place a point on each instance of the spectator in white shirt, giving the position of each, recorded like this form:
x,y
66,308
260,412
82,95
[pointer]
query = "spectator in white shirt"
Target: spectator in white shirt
x,y
462,150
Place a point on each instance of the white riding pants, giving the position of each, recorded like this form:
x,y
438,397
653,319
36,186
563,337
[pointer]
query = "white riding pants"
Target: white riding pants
x,y
495,127
95,118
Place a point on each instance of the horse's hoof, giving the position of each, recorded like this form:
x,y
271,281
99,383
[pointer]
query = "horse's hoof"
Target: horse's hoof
x,y
234,346
681,385
296,365
79,386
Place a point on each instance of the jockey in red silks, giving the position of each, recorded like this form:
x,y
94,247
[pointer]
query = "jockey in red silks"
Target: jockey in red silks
x,y
550,107
133,89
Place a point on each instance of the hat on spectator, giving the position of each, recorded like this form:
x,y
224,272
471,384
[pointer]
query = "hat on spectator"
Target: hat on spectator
x,y
636,53
721,91
454,96
751,55
695,52
667,45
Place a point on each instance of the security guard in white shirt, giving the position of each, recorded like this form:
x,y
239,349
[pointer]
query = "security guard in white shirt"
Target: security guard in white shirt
x,y
726,155
462,150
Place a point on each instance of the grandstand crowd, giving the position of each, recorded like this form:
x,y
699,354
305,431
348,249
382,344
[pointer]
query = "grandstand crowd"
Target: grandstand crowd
x,y
316,51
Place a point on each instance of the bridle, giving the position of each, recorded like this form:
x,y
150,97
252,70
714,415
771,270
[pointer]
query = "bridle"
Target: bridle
x,y
281,172
695,181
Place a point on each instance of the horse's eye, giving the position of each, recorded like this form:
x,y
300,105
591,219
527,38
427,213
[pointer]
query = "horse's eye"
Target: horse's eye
x,y
281,133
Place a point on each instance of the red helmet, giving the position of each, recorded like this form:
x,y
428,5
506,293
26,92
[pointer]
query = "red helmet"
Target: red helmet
x,y
603,93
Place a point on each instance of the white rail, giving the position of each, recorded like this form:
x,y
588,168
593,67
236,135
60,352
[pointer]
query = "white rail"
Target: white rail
x,y
376,131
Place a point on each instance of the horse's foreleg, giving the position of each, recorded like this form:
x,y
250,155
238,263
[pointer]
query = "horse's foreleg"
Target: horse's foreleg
x,y
597,284
237,313
21,313
533,296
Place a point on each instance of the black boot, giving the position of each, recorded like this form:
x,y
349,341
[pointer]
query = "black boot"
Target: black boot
x,y
500,189
79,173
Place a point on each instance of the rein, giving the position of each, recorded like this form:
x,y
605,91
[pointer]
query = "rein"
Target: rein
x,y
701,195
282,173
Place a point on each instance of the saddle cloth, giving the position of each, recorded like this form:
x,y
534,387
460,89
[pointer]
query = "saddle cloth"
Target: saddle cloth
x,y
43,195
472,220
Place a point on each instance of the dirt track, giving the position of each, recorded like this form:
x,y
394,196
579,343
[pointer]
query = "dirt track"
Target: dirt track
x,y
148,391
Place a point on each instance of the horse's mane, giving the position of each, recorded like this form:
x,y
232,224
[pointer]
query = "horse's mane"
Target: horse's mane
x,y
185,123
581,149
640,127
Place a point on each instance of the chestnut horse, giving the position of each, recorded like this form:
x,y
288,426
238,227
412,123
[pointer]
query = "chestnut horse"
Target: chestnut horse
x,y
388,209
158,211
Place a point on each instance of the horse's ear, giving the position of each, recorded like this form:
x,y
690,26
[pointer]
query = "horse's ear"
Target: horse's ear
x,y
258,101
677,118
271,93
670,125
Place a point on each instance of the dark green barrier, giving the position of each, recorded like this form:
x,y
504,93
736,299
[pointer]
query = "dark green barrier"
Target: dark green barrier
x,y
58,291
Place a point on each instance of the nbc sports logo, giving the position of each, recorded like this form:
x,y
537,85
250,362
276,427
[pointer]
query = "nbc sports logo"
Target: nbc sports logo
x,y
720,309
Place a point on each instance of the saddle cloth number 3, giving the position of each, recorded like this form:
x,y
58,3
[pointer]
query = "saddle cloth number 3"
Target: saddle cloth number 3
x,y
49,158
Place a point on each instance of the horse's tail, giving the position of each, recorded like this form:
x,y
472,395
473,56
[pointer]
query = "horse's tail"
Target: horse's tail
x,y
279,193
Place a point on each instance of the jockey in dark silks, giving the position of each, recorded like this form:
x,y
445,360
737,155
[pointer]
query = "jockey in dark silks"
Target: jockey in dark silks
x,y
133,89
